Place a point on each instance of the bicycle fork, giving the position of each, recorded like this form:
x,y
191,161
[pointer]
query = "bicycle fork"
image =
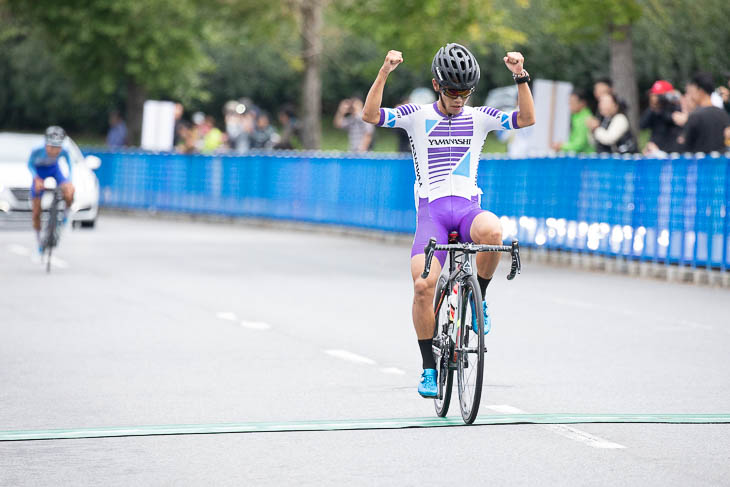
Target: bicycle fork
x,y
455,318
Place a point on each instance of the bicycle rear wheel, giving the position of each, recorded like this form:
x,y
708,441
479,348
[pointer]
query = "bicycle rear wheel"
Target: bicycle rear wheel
x,y
442,350
470,351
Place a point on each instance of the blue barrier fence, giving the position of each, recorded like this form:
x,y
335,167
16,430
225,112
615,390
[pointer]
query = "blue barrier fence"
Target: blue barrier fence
x,y
663,210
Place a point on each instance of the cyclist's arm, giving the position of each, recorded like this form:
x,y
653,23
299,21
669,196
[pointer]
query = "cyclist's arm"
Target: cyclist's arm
x,y
371,110
31,165
65,155
525,106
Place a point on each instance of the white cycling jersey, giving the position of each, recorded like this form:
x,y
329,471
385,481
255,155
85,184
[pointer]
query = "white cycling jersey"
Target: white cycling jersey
x,y
446,149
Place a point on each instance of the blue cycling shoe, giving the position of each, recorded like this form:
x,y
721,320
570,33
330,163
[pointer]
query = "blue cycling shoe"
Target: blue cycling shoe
x,y
428,387
487,319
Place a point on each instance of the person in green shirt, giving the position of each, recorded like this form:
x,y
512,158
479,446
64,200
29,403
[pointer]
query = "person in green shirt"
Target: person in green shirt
x,y
579,140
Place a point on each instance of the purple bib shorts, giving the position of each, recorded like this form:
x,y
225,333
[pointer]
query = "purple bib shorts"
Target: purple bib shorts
x,y
441,216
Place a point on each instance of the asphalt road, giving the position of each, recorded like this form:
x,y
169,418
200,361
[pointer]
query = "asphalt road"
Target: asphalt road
x,y
155,322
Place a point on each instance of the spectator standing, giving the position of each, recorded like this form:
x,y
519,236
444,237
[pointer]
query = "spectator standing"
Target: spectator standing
x,y
238,129
348,117
613,132
659,118
289,127
187,136
725,92
579,140
210,138
706,126
117,135
602,86
264,136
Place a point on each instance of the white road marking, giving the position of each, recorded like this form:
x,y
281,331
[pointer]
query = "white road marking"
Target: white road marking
x,y
392,370
226,315
255,325
562,430
350,357
19,250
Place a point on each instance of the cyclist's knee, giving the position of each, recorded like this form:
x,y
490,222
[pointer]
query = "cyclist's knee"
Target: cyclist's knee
x,y
488,234
68,193
423,289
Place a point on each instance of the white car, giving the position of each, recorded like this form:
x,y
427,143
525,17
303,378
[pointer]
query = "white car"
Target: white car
x,y
15,180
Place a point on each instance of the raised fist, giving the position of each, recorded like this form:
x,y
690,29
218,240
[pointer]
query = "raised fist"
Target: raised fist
x,y
392,60
515,62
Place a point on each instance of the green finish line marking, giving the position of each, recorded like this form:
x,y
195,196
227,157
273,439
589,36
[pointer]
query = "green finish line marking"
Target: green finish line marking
x,y
357,424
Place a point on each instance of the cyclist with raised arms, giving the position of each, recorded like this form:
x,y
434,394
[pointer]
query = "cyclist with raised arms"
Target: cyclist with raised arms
x,y
446,140
44,163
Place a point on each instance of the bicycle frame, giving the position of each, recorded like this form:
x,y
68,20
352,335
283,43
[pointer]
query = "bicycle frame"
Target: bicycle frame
x,y
452,345
460,269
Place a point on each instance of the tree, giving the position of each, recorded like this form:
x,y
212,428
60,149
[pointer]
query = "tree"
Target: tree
x,y
419,27
676,38
588,20
144,48
311,15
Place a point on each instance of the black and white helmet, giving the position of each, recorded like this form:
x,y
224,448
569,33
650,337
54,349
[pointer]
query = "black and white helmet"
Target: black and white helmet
x,y
55,136
455,67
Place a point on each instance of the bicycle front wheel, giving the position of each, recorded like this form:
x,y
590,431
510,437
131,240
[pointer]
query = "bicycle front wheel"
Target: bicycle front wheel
x,y
470,350
51,238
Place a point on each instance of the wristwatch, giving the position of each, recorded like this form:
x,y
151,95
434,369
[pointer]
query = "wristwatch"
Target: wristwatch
x,y
523,77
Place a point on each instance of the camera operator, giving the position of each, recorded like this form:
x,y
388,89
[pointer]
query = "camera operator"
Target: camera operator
x,y
663,101
349,117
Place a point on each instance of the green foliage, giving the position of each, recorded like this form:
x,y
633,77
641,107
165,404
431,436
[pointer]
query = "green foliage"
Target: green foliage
x,y
676,38
419,27
102,45
591,19
35,91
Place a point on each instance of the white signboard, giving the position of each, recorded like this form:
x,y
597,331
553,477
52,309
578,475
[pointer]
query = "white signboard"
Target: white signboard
x,y
158,125
552,112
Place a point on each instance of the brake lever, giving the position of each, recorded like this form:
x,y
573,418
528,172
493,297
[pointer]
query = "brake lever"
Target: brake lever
x,y
428,250
516,263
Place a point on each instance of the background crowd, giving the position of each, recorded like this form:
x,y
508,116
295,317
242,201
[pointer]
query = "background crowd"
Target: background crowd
x,y
697,120
245,127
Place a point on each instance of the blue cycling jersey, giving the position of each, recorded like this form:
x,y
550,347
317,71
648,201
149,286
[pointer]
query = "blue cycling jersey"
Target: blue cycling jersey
x,y
40,159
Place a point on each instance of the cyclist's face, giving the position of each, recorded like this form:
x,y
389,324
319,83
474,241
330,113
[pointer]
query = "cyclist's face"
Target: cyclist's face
x,y
52,150
452,106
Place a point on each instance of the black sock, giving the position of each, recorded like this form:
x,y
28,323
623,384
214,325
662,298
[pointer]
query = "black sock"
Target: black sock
x,y
427,353
483,283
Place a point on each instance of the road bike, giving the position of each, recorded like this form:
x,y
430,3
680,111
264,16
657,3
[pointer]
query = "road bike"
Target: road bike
x,y
51,234
457,304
